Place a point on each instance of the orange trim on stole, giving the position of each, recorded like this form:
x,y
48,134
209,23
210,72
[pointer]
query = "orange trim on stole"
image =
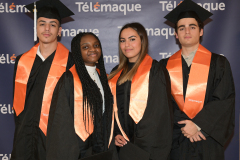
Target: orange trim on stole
x,y
138,95
58,67
79,126
24,67
197,83
112,127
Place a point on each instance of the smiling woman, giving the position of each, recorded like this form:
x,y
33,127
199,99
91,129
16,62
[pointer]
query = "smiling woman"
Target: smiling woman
x,y
133,47
130,44
80,119
91,50
141,91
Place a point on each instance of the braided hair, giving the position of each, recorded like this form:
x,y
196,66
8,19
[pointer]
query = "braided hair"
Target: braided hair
x,y
92,97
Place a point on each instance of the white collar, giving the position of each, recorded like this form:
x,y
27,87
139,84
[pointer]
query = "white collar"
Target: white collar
x,y
39,53
91,69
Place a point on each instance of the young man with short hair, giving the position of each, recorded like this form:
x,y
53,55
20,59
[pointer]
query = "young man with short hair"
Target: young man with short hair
x,y
202,88
36,74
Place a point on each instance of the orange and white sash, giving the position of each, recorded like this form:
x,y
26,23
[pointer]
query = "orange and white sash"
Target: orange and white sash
x,y
197,83
138,95
25,64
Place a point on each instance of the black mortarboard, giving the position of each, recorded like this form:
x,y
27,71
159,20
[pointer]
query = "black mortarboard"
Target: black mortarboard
x,y
48,6
188,9
108,155
133,152
52,9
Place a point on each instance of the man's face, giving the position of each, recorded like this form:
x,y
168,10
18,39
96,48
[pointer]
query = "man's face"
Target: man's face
x,y
189,32
48,30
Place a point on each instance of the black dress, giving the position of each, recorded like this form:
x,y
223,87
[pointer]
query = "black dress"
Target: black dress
x,y
154,131
29,140
216,119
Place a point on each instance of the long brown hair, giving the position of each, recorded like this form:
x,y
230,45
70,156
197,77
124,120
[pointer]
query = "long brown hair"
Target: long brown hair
x,y
123,64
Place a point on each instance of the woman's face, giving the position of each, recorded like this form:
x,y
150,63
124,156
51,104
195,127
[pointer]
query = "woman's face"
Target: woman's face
x,y
130,44
90,49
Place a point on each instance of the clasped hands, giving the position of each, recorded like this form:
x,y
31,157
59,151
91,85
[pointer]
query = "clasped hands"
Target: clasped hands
x,y
191,132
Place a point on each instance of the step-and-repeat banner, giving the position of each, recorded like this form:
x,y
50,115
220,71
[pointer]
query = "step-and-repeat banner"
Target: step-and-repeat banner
x,y
105,18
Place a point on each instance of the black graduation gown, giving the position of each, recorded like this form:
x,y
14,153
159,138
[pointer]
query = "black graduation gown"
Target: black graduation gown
x,y
29,140
216,119
62,141
153,133
123,99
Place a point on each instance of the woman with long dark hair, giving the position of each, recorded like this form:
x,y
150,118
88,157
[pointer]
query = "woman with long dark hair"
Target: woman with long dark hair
x,y
142,106
80,120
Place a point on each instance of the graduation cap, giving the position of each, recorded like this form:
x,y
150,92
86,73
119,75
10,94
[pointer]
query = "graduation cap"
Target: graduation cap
x,y
188,9
53,9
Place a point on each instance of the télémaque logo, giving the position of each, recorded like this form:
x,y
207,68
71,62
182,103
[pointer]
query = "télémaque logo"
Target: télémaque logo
x,y
7,59
5,156
98,7
6,109
12,8
170,5
73,32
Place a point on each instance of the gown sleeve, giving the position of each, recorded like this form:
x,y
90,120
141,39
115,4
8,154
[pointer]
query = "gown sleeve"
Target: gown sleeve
x,y
217,116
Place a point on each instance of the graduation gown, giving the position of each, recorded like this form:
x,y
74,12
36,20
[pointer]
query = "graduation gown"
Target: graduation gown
x,y
216,119
153,133
29,140
62,141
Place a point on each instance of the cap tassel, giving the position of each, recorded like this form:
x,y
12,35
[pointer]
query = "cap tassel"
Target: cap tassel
x,y
35,22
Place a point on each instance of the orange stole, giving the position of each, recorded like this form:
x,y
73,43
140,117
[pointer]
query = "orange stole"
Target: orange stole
x,y
78,110
22,75
79,126
58,67
138,95
24,67
197,83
